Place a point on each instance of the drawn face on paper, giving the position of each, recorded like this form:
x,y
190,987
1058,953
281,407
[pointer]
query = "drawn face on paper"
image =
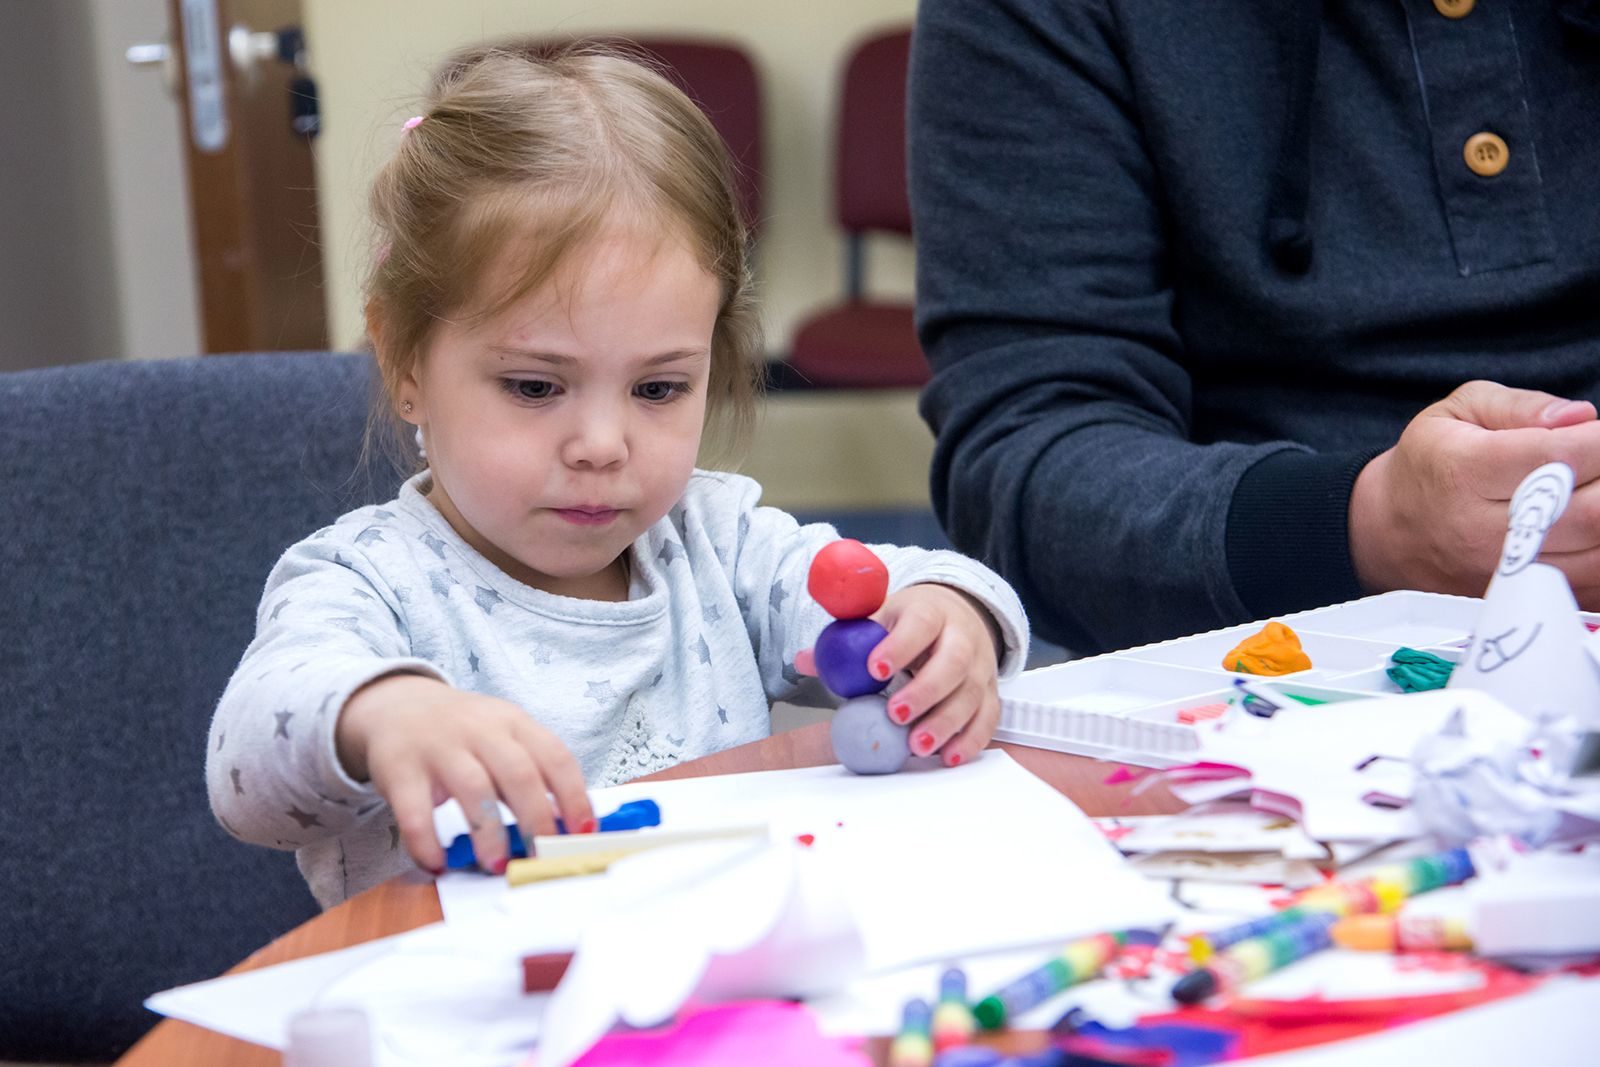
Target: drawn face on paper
x,y
1539,501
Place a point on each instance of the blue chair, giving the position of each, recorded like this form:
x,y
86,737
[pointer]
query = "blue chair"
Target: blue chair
x,y
141,507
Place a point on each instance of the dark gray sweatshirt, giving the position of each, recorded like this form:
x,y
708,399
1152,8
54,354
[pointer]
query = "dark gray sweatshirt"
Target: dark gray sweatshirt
x,y
1184,267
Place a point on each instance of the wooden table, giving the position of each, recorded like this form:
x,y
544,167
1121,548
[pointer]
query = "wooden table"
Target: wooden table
x,y
410,901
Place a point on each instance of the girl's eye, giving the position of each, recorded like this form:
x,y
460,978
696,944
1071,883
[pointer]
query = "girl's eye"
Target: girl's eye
x,y
529,388
657,392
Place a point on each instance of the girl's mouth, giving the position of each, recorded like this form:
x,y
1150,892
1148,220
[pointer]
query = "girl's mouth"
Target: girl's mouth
x,y
588,516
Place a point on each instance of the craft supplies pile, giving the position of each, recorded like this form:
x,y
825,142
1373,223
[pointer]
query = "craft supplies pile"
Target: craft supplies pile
x,y
1391,848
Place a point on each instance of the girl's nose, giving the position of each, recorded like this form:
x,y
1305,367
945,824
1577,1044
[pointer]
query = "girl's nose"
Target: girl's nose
x,y
599,438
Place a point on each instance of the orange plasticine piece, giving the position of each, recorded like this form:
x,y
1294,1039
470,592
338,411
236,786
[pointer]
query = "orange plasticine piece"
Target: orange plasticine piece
x,y
1275,650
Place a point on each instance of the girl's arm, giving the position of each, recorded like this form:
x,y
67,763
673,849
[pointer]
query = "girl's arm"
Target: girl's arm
x,y
327,626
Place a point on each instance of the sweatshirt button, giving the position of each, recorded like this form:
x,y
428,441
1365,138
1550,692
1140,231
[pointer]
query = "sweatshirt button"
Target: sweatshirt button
x,y
1454,9
1486,154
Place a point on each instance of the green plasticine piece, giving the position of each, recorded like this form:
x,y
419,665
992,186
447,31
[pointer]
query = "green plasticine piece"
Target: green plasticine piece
x,y
1418,672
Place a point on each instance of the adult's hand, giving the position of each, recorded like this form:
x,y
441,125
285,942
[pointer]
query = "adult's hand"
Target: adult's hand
x,y
1431,512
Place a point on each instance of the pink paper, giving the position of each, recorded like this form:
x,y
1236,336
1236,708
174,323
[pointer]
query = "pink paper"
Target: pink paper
x,y
773,1033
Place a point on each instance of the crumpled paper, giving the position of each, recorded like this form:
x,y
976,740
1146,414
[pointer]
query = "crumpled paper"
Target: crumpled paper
x,y
1471,782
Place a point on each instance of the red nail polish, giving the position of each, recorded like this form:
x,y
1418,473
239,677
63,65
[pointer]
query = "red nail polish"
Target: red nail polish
x,y
900,712
589,826
437,872
880,669
954,760
499,866
925,742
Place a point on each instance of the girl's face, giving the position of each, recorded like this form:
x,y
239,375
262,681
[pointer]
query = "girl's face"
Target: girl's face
x,y
561,429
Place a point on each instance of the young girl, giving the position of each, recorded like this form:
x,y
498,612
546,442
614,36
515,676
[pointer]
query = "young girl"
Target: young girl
x,y
561,304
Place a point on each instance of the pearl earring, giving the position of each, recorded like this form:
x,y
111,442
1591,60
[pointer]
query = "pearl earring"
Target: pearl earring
x,y
406,407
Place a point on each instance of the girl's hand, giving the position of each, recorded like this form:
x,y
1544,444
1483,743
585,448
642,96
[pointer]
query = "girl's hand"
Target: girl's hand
x,y
420,742
948,642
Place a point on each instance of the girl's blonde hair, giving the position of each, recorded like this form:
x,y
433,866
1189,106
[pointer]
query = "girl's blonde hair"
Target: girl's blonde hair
x,y
540,152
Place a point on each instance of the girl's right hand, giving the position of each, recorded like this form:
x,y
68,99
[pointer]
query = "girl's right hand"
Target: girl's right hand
x,y
420,742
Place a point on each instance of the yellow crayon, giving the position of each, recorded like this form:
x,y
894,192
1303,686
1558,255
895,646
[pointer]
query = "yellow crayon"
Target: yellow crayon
x,y
524,872
1402,933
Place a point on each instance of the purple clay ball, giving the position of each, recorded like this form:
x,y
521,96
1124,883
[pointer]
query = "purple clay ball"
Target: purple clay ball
x,y
865,740
841,655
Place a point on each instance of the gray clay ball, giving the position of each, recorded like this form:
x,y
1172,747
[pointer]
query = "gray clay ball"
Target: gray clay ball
x,y
866,740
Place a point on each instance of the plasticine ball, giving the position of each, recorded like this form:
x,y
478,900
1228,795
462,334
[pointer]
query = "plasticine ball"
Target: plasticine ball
x,y
865,740
841,654
848,580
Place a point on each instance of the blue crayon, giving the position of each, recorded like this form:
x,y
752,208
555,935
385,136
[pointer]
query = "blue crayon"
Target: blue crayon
x,y
634,815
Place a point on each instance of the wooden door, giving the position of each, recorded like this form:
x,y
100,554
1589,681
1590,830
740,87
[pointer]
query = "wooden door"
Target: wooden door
x,y
252,185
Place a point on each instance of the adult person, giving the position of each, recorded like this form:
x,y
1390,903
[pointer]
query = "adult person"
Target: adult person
x,y
1194,277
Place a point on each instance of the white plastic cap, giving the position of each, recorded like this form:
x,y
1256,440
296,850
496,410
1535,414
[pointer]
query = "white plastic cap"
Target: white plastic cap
x,y
329,1037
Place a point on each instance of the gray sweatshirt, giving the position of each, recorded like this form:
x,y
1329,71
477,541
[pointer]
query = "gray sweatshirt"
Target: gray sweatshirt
x,y
686,666
1184,268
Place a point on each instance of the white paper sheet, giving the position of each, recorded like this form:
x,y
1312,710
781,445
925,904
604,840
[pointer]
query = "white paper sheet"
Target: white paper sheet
x,y
937,864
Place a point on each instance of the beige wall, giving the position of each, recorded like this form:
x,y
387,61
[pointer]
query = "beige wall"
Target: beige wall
x,y
152,235
95,258
57,287
372,59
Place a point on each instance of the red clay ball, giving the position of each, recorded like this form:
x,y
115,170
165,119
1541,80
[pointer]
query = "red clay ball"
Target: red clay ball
x,y
848,580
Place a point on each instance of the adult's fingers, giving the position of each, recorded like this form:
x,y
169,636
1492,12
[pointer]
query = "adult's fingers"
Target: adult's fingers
x,y
1578,528
1498,462
1499,407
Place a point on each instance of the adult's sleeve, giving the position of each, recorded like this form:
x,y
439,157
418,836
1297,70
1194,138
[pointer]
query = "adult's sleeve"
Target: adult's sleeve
x,y
1061,399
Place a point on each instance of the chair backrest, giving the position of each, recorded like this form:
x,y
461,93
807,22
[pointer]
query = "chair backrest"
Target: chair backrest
x,y
141,507
718,76
871,163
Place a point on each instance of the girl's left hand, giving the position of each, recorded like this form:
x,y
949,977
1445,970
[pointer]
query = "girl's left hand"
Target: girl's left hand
x,y
947,642
949,645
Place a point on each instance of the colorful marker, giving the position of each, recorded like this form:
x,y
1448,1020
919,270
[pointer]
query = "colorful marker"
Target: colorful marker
x,y
913,1046
1402,933
1381,892
1078,961
1253,958
953,1024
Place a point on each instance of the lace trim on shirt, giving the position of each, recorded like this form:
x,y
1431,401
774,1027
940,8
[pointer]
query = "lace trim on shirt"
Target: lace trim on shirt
x,y
638,749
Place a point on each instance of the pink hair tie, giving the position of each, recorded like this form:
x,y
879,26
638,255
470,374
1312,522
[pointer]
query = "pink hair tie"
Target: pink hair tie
x,y
413,122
